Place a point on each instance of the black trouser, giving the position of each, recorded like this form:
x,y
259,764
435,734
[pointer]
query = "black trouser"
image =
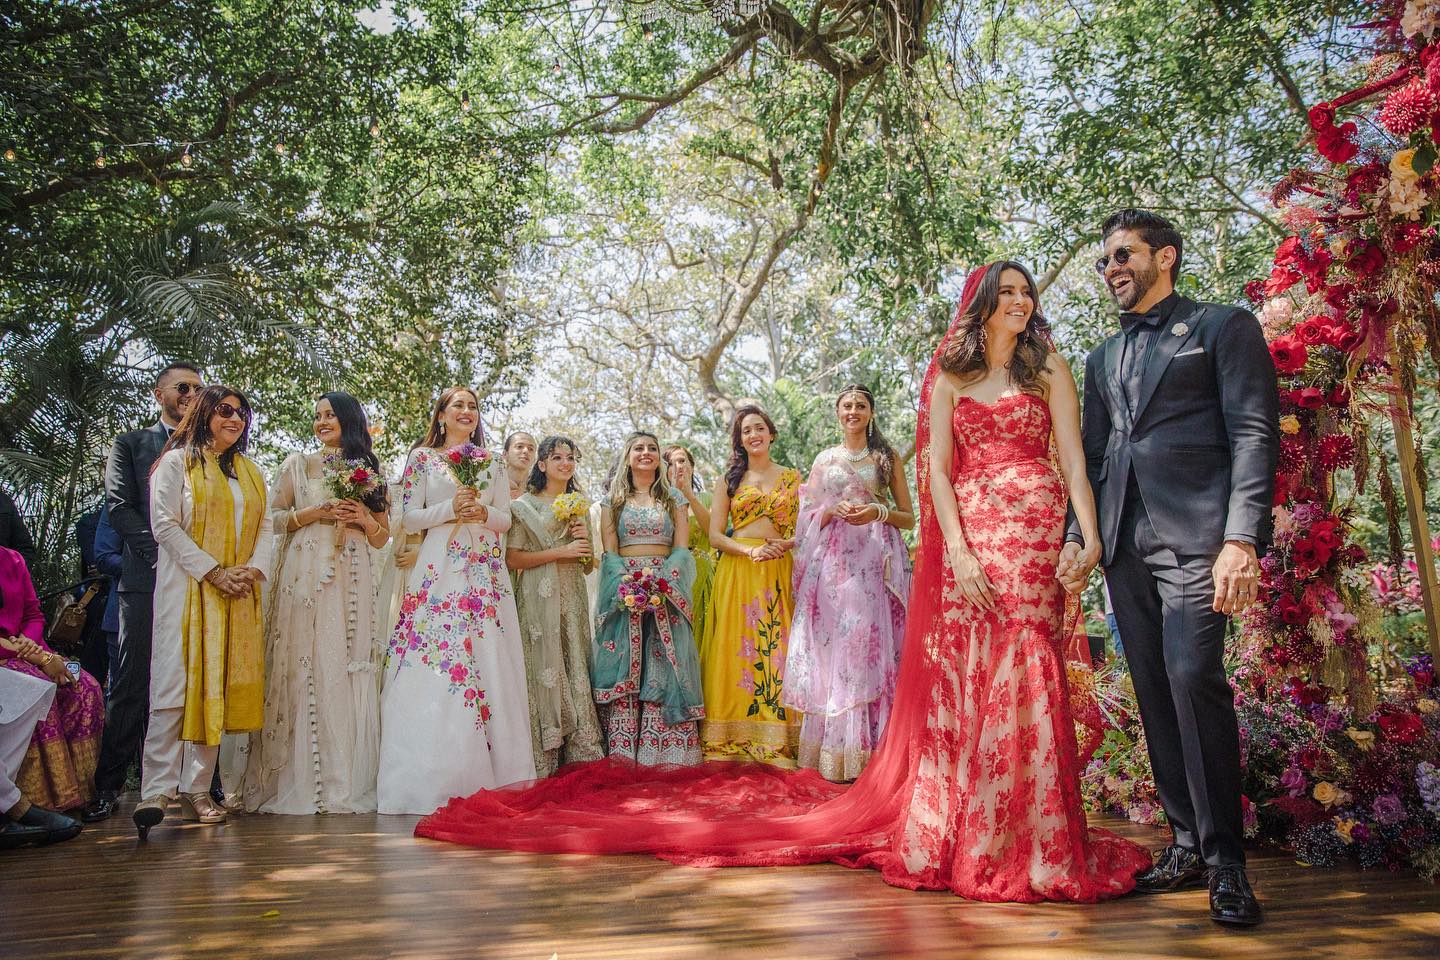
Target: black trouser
x,y
127,709
1175,644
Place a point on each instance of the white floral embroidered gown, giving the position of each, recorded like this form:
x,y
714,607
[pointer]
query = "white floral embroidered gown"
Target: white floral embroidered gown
x,y
318,750
454,715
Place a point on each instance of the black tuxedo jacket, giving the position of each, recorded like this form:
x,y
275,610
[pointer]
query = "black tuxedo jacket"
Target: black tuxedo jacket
x,y
127,488
1203,441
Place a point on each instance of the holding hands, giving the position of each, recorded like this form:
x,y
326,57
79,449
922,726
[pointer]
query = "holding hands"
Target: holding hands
x,y
1076,562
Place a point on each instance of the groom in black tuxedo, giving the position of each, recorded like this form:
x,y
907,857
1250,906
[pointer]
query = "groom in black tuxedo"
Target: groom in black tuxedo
x,y
1181,440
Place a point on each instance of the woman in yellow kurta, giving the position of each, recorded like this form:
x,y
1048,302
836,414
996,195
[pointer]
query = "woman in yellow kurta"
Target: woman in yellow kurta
x,y
207,658
747,627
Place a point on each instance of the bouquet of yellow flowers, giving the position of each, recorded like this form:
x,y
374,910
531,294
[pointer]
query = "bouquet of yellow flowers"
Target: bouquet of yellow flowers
x,y
569,507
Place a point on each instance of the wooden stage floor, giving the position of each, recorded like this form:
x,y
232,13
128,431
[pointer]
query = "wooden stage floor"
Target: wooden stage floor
x,y
361,887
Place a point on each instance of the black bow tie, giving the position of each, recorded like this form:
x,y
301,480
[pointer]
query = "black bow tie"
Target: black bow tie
x,y
1130,321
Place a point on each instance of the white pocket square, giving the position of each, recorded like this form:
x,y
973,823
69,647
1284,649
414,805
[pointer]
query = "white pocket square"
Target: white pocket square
x,y
1191,352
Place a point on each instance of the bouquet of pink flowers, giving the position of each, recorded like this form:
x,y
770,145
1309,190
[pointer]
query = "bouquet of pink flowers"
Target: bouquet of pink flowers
x,y
643,590
470,465
349,479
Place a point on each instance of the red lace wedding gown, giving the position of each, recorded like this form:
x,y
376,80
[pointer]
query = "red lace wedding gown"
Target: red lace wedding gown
x,y
975,785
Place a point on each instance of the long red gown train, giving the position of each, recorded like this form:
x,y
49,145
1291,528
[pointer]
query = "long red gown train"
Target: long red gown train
x,y
975,784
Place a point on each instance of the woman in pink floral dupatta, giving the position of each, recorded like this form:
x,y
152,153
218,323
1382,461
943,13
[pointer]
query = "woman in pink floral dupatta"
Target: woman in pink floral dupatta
x,y
852,581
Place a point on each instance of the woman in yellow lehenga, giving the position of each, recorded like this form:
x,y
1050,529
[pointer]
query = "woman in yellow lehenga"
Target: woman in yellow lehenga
x,y
680,471
747,628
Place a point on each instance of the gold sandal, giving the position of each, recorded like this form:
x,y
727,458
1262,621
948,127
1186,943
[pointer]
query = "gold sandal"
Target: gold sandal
x,y
200,808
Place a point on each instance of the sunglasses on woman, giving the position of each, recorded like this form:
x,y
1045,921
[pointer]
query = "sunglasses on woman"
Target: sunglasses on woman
x,y
1121,257
227,411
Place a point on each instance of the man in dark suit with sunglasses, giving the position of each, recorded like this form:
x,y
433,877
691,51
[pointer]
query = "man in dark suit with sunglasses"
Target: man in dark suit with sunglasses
x,y
127,492
1181,433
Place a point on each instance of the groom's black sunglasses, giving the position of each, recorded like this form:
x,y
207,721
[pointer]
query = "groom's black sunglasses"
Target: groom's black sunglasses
x,y
1121,256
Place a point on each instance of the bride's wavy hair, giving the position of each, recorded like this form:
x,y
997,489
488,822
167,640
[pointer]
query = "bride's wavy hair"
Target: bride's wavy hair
x,y
880,448
964,355
622,483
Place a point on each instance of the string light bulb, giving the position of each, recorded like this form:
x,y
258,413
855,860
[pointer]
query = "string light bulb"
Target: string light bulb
x,y
374,127
11,155
185,159
100,160
465,100
555,68
649,32
280,148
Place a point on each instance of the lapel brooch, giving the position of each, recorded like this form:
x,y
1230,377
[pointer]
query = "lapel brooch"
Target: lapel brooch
x,y
1180,329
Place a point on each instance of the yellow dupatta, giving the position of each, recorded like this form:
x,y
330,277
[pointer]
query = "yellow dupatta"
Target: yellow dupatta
x,y
224,638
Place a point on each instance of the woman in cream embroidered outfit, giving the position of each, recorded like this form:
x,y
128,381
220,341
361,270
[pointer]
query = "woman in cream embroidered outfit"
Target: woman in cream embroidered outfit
x,y
320,746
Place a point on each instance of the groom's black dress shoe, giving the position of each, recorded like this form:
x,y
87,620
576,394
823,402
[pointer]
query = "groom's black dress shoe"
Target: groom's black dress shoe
x,y
1175,869
38,826
1231,899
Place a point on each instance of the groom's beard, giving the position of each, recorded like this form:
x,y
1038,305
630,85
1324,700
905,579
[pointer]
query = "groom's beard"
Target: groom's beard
x,y
1140,283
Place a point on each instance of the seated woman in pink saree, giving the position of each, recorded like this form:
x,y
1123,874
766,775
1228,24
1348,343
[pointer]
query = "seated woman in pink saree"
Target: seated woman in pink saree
x,y
975,784
58,771
852,580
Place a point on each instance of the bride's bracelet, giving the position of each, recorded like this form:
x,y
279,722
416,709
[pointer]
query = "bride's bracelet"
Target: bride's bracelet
x,y
882,513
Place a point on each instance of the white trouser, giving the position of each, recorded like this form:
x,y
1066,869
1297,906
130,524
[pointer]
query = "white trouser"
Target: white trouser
x,y
19,715
173,764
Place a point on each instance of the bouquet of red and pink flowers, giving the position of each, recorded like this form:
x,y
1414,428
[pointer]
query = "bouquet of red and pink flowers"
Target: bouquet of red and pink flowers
x,y
349,479
470,465
643,590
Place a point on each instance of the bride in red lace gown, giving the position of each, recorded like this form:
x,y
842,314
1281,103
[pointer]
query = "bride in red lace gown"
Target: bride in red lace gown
x,y
975,784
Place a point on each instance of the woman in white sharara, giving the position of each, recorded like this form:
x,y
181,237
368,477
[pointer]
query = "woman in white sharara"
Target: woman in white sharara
x,y
454,714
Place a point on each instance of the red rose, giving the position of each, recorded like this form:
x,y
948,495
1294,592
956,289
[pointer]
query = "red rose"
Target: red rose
x,y
1280,280
1335,145
1401,727
1290,253
454,456
1325,537
1255,290
1364,259
1337,295
1306,555
1289,354
1312,330
1290,610
1342,336
1311,398
361,475
1322,117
